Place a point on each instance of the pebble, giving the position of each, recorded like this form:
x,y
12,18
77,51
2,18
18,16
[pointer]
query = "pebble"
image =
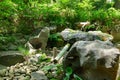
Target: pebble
x,y
21,71
3,72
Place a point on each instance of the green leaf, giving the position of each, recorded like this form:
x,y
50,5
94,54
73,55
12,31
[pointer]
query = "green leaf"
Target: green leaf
x,y
66,78
23,50
68,71
77,77
49,67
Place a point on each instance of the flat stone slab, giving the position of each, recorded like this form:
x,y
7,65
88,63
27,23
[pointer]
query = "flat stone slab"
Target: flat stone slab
x,y
9,58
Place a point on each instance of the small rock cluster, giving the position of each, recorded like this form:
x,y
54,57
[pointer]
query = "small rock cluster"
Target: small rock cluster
x,y
28,70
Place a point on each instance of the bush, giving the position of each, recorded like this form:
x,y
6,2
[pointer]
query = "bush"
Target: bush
x,y
7,16
25,16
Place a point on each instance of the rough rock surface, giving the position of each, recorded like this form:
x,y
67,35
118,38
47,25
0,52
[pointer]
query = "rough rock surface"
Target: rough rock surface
x,y
38,75
40,41
93,60
2,67
72,36
9,58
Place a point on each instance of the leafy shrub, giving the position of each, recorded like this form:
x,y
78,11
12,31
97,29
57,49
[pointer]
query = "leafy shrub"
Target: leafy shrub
x,y
7,16
25,16
68,74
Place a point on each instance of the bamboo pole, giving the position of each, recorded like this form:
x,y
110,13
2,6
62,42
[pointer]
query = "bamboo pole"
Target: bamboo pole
x,y
62,52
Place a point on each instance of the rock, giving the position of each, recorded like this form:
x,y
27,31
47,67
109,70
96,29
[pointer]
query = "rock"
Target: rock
x,y
22,71
17,74
28,71
2,67
93,60
33,68
11,76
17,71
38,75
3,72
21,64
27,78
12,46
40,41
103,36
72,36
7,73
21,77
6,78
9,58
11,71
1,78
34,58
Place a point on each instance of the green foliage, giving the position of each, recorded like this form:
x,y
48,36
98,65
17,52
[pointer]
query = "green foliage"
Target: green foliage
x,y
77,77
5,40
85,5
43,57
68,74
55,40
25,16
100,15
49,67
102,4
7,15
56,69
23,50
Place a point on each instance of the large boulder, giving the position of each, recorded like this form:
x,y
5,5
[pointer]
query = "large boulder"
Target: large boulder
x,y
72,36
93,60
9,58
39,41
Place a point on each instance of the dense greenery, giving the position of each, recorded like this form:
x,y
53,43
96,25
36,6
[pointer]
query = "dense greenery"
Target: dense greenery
x,y
25,16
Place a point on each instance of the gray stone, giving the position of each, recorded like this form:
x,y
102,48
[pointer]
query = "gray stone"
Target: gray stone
x,y
17,70
33,68
38,42
17,74
89,59
103,36
39,75
6,78
22,71
21,77
2,67
9,58
1,78
72,36
3,72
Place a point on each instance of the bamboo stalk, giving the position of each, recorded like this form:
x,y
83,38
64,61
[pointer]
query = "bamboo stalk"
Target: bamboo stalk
x,y
62,52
